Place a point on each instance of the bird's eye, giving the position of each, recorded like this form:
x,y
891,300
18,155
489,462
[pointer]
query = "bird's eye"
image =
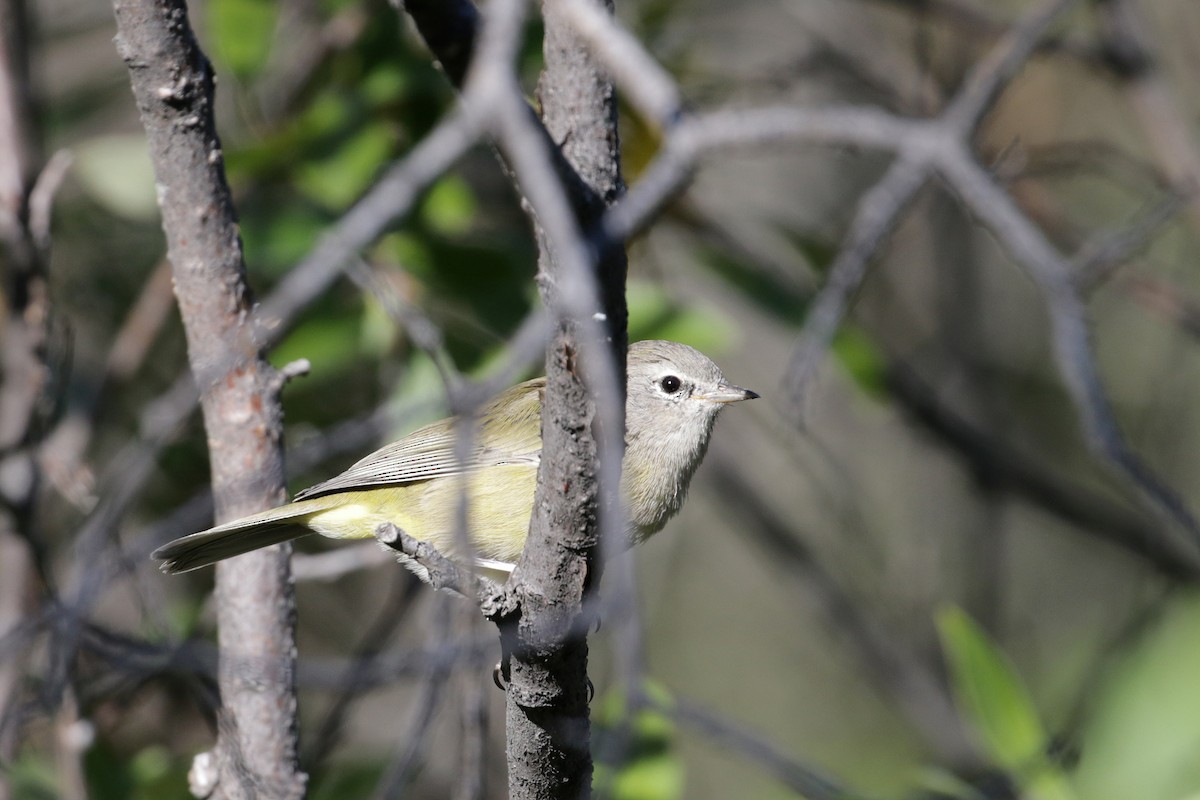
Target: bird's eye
x,y
670,384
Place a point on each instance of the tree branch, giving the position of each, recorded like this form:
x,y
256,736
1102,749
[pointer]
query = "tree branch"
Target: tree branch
x,y
173,84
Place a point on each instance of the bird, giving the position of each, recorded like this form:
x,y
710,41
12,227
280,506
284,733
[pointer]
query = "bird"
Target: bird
x,y
674,395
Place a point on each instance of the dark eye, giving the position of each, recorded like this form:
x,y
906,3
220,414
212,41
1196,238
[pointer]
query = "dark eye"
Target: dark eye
x,y
670,384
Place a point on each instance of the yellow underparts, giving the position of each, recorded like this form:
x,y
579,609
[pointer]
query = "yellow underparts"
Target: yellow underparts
x,y
498,508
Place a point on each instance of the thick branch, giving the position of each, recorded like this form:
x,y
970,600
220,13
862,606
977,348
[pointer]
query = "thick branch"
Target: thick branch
x,y
172,82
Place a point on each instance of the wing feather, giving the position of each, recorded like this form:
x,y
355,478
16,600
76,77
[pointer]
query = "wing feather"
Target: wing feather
x,y
510,439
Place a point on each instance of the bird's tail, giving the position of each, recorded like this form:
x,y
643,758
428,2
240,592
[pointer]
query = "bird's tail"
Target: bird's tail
x,y
243,535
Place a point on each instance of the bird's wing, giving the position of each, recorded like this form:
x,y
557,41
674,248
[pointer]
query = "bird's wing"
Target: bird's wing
x,y
429,452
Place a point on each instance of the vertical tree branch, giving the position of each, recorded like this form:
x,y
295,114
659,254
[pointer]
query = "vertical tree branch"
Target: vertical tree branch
x,y
24,376
173,84
542,608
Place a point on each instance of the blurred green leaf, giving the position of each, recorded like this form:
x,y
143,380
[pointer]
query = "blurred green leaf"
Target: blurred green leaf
x,y
648,768
654,315
241,34
818,250
338,179
347,780
386,83
275,242
449,207
407,251
327,341
153,773
862,360
116,172
1142,738
991,695
31,778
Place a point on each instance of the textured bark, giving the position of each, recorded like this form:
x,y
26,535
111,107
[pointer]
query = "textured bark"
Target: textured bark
x,y
547,721
173,84
541,615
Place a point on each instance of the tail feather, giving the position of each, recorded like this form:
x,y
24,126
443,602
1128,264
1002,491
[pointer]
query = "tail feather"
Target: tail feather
x,y
235,538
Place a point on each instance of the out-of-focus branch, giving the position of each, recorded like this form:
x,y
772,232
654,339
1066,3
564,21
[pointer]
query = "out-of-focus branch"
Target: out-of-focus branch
x,y
389,199
1071,337
911,684
173,84
995,465
940,146
1164,122
25,371
800,778
1095,261
878,214
449,28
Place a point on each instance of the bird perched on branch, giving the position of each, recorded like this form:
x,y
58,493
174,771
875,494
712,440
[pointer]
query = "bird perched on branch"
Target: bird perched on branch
x,y
674,394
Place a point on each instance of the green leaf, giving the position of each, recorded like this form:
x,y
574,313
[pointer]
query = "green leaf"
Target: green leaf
x,y
654,315
449,208
327,341
337,180
31,777
241,34
1143,731
861,359
650,768
116,172
993,698
990,693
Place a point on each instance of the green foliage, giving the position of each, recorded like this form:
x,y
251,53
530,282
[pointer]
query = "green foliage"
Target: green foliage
x,y
241,31
654,315
1143,732
449,208
347,780
647,768
337,178
861,359
992,697
31,778
151,774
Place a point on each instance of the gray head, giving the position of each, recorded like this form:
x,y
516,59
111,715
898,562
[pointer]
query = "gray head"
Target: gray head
x,y
675,394
673,381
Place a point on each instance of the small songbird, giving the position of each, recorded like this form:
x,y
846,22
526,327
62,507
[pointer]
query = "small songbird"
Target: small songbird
x,y
674,394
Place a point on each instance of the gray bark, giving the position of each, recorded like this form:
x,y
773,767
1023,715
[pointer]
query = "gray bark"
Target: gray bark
x,y
173,84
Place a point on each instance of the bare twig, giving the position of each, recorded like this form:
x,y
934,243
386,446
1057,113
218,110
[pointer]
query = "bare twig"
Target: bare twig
x,y
911,684
996,465
1096,261
388,200
441,572
641,80
877,215
1072,340
1164,121
800,778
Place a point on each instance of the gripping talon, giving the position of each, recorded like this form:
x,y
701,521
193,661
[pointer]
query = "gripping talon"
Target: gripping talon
x,y
498,677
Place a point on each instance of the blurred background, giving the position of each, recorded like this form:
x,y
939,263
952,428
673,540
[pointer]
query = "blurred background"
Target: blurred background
x,y
919,582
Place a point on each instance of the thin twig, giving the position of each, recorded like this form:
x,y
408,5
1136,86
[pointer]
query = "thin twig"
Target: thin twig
x,y
441,572
879,212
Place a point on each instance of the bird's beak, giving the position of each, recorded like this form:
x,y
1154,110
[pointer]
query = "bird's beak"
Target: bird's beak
x,y
727,393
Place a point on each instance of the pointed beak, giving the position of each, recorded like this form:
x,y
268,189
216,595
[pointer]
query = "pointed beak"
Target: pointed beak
x,y
727,393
